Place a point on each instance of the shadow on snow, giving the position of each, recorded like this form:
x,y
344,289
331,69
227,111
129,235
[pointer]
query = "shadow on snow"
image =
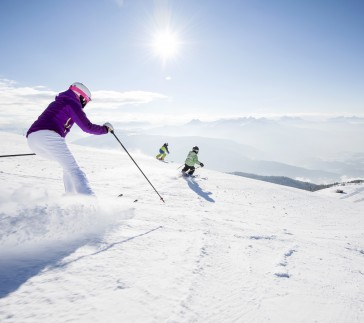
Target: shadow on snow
x,y
109,246
15,270
197,189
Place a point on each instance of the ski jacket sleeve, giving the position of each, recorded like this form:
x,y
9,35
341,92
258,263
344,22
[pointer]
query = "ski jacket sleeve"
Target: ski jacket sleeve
x,y
80,118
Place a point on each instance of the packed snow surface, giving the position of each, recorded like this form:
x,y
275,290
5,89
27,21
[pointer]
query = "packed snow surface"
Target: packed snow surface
x,y
222,248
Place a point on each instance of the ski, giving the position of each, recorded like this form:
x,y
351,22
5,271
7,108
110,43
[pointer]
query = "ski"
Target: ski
x,y
163,161
199,177
186,176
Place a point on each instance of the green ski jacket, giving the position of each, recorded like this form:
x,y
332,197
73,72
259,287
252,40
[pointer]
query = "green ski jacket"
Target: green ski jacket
x,y
192,159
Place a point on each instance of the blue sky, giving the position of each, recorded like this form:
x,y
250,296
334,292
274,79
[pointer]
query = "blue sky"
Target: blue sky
x,y
246,57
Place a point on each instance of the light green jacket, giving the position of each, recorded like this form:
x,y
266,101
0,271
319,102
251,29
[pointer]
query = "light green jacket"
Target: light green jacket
x,y
164,149
192,159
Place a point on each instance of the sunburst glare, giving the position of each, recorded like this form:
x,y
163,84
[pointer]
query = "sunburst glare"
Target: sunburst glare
x,y
166,44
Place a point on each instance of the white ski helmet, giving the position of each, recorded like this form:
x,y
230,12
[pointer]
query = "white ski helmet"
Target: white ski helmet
x,y
81,89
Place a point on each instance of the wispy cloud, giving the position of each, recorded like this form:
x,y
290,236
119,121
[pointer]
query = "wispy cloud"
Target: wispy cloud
x,y
20,105
13,95
113,99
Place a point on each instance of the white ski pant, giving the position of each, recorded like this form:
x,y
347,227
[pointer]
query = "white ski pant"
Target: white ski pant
x,y
50,145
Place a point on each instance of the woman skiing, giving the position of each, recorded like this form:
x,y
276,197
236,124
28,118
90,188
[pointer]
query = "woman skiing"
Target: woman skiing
x,y
46,136
163,152
190,162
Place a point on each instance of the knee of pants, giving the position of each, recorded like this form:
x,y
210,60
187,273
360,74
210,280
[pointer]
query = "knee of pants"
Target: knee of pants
x,y
74,170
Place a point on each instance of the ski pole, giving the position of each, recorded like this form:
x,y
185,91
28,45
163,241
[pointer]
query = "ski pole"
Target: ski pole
x,y
112,131
17,155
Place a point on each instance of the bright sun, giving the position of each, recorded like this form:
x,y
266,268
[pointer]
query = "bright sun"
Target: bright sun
x,y
166,44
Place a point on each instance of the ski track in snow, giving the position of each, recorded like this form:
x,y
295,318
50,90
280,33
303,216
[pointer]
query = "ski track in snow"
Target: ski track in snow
x,y
222,249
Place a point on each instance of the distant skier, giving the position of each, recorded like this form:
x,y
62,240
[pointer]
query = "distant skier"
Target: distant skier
x,y
163,151
190,162
46,136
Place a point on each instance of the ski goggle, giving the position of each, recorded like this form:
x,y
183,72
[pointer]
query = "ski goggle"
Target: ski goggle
x,y
83,96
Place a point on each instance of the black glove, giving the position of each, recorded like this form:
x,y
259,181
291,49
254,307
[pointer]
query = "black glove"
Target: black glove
x,y
202,165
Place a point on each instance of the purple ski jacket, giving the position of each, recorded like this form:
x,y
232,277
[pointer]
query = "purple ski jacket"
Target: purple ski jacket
x,y
62,113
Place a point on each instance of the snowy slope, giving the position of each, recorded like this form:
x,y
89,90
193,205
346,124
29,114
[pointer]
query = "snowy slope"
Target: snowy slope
x,y
221,249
